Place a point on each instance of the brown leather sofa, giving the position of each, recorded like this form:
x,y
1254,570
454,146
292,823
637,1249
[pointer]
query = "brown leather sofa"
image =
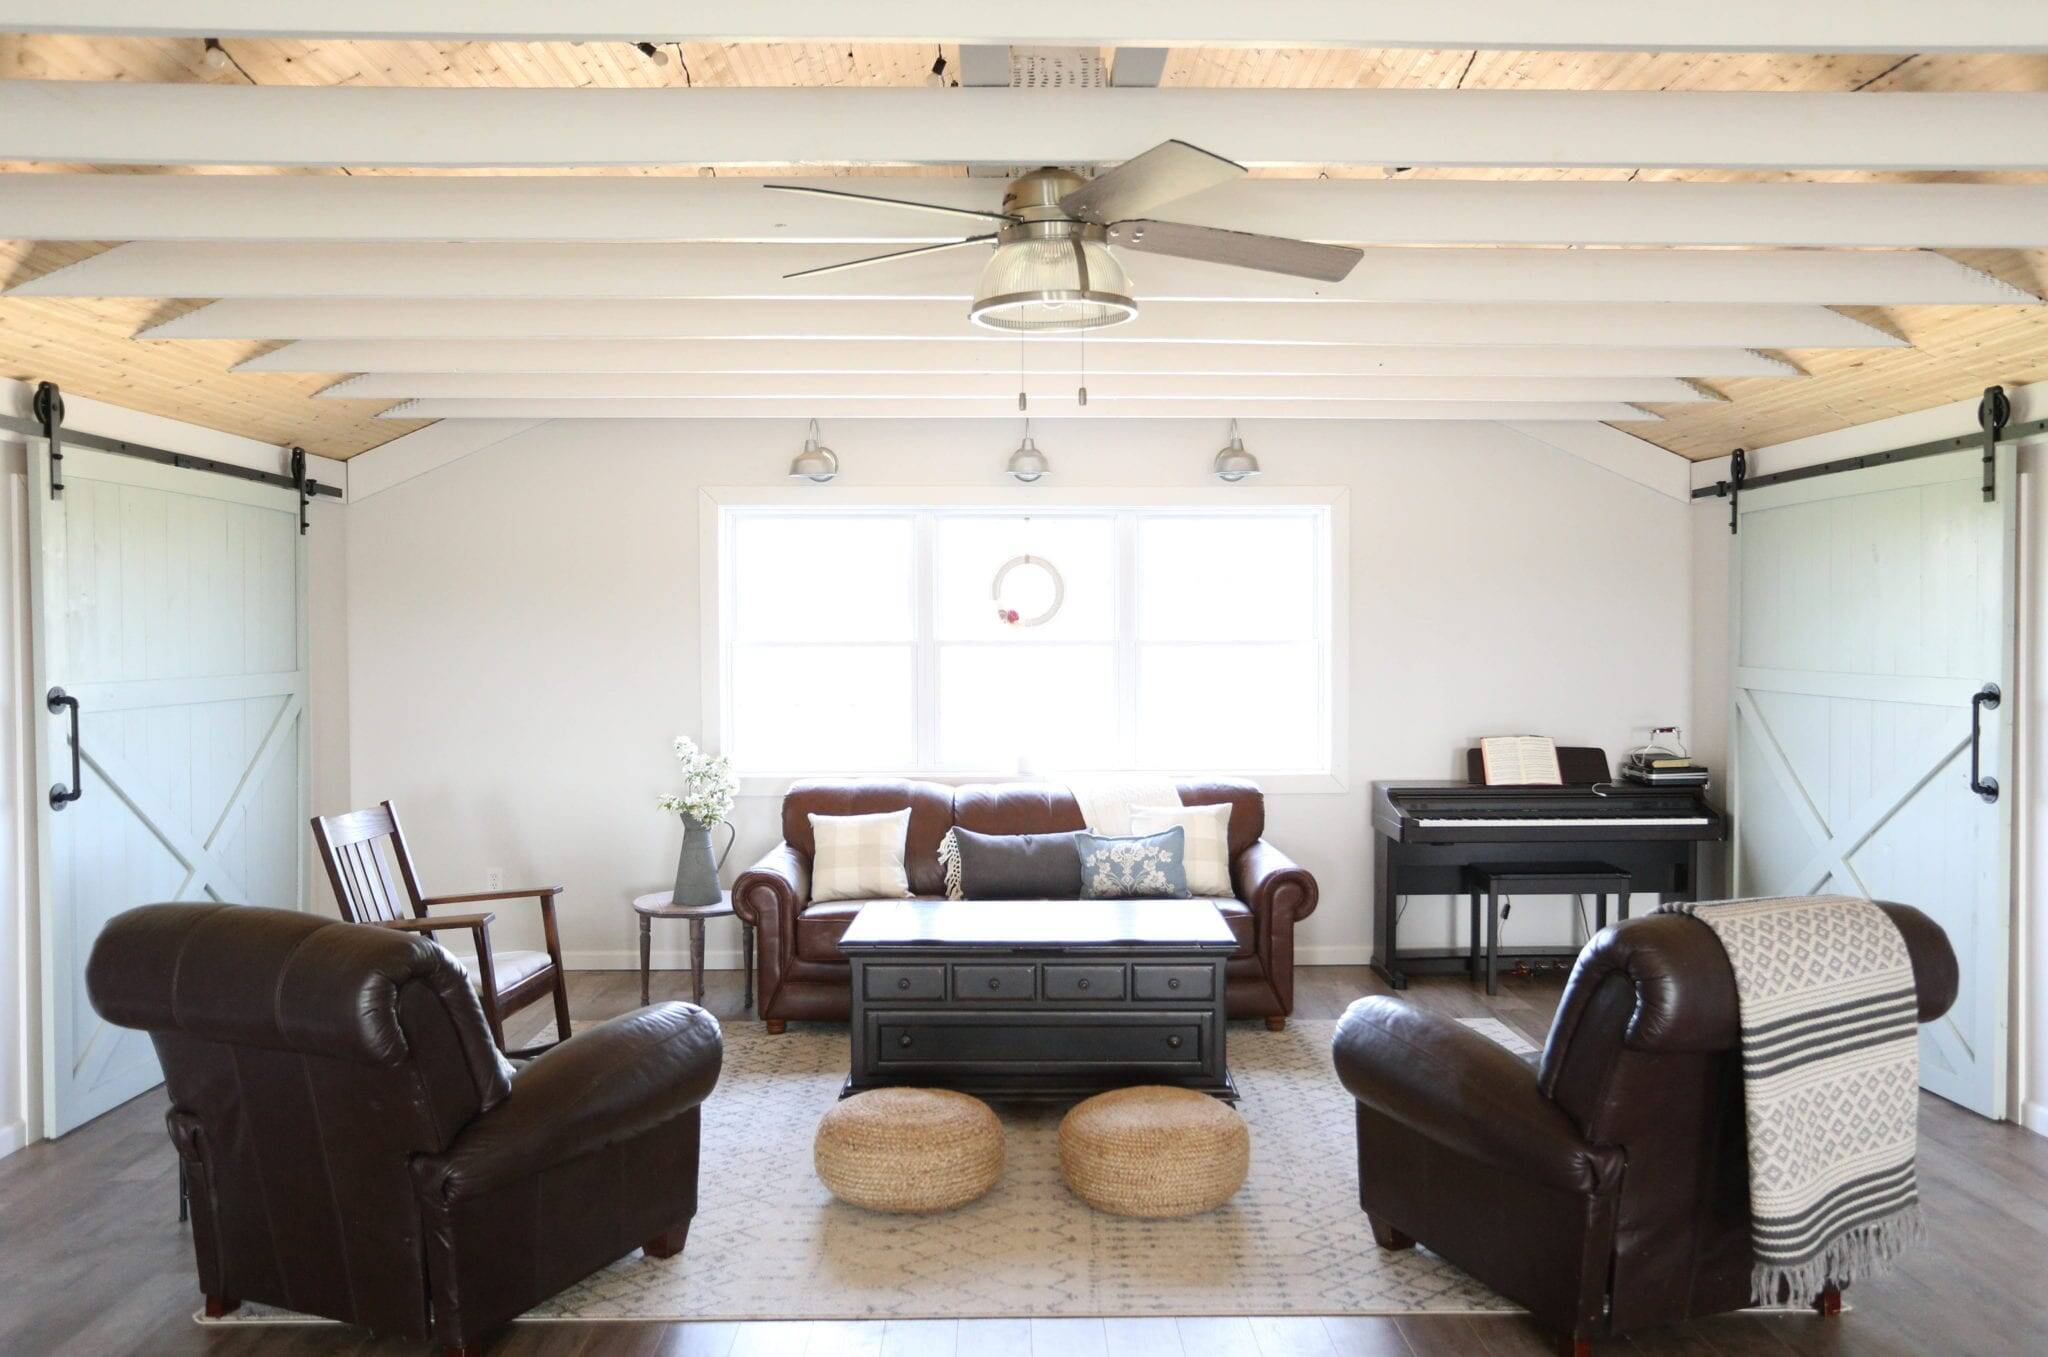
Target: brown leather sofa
x,y
1607,1189
804,976
357,1148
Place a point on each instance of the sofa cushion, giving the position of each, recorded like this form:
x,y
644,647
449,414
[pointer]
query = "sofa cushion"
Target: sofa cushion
x,y
1048,808
931,815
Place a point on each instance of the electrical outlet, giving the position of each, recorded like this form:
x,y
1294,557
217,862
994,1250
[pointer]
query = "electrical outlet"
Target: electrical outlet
x,y
494,879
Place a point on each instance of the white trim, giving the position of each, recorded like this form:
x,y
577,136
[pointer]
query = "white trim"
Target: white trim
x,y
245,207
1621,453
2034,1116
970,357
741,272
1397,324
995,407
112,122
423,450
1562,25
13,1136
714,598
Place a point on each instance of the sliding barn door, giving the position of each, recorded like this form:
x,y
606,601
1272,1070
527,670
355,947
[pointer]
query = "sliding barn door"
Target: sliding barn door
x,y
1871,609
169,605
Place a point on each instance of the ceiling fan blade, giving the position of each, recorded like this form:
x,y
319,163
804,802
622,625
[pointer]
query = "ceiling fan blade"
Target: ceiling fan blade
x,y
892,202
1169,171
1270,254
884,258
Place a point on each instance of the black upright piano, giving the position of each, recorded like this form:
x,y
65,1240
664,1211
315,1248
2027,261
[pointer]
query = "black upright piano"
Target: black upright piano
x,y
1426,834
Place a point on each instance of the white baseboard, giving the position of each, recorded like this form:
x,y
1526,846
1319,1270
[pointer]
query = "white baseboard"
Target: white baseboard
x,y
2034,1116
13,1136
1344,954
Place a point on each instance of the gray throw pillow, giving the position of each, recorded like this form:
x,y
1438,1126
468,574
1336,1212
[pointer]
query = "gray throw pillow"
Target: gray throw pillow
x,y
1144,867
1017,866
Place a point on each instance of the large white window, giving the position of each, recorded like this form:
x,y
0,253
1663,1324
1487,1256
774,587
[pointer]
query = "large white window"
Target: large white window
x,y
874,640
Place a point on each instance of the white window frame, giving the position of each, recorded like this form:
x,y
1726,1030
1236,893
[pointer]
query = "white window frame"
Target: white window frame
x,y
1333,571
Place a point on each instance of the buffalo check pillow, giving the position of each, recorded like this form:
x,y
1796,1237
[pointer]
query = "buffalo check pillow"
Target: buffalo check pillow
x,y
860,857
1207,854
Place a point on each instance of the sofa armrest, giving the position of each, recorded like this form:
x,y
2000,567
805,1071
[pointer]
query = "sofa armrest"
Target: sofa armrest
x,y
1447,1083
780,883
603,1086
1269,881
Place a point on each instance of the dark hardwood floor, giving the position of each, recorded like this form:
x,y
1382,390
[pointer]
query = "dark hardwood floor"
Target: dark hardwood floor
x,y
93,1261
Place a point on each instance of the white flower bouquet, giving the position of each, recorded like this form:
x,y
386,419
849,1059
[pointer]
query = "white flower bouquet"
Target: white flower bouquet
x,y
708,785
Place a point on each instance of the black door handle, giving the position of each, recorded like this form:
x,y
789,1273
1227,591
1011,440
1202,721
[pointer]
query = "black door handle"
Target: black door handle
x,y
60,795
1987,696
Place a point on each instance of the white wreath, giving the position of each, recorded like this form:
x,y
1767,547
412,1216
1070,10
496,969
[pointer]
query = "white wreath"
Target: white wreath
x,y
1009,616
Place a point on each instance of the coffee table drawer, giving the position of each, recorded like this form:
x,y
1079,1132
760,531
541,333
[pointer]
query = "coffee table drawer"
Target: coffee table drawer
x,y
1097,984
919,983
1173,982
1002,983
940,1042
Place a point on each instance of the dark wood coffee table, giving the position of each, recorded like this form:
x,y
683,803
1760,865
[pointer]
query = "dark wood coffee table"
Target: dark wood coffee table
x,y
1039,999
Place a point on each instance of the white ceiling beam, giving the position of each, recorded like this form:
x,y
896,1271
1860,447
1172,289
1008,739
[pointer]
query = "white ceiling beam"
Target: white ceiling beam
x,y
755,272
1401,324
1000,386
108,122
963,357
398,208
780,408
1511,25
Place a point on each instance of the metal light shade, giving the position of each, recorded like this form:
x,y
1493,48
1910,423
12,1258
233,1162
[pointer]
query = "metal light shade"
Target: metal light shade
x,y
816,462
1233,463
1027,463
1052,284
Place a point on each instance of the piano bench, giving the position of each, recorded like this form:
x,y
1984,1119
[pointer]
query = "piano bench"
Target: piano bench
x,y
1492,881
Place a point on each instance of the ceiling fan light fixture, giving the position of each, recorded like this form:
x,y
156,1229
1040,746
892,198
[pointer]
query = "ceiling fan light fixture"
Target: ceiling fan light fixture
x,y
1055,283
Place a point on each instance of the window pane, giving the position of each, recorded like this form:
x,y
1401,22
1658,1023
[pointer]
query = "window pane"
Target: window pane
x,y
1054,706
821,577
970,549
1250,708
822,709
1247,577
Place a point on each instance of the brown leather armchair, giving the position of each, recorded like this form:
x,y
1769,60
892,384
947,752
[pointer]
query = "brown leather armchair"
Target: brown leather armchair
x,y
358,1149
805,976
1608,1188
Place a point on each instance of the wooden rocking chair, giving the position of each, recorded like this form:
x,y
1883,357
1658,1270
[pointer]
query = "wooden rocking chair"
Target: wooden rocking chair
x,y
352,846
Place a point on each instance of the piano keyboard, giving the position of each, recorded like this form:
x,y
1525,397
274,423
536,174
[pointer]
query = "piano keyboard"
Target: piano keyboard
x,y
1623,822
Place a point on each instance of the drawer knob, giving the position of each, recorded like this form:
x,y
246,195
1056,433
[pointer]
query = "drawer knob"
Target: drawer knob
x,y
995,982
904,983
1082,983
1173,982
1172,1043
904,1040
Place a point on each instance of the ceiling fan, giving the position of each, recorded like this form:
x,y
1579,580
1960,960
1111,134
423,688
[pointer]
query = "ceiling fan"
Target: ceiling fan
x,y
1052,270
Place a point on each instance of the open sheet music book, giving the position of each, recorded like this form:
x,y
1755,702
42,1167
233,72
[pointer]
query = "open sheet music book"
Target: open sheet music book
x,y
1520,761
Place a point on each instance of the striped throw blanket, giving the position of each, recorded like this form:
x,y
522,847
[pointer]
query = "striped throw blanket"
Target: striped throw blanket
x,y
1831,1072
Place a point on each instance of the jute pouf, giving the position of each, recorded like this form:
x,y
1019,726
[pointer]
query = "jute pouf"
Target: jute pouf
x,y
1154,1151
909,1149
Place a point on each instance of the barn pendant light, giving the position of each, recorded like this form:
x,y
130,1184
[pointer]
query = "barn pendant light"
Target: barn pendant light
x,y
1050,274
1027,465
1233,463
816,462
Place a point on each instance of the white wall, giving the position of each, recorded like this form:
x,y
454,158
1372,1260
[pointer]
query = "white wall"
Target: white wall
x,y
20,997
523,633
1711,543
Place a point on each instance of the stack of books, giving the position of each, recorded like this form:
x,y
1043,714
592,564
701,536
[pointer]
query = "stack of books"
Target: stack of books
x,y
1664,770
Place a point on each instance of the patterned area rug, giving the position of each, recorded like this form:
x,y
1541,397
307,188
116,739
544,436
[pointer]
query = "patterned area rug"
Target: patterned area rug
x,y
770,1242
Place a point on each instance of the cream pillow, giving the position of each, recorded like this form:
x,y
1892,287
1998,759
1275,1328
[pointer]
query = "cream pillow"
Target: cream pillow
x,y
1208,842
859,857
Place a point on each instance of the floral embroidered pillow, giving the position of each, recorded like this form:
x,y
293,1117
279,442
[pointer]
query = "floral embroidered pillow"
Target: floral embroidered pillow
x,y
1145,867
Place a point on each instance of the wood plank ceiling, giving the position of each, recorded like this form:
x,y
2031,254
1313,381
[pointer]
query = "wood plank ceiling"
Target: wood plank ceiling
x,y
87,344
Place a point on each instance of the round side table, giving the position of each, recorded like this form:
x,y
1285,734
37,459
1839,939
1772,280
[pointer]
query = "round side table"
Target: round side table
x,y
659,906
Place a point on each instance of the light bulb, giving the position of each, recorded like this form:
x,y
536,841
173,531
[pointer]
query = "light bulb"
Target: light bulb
x,y
216,56
657,55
